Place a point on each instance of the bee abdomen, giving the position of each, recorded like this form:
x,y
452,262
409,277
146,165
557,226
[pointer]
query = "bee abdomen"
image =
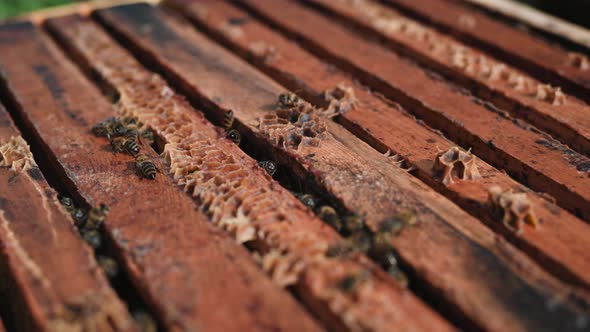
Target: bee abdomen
x,y
228,119
145,166
131,146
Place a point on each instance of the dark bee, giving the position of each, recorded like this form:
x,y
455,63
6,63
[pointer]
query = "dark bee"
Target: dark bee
x,y
117,129
342,248
235,136
329,215
80,217
145,166
67,203
397,223
103,128
308,200
131,146
362,240
352,223
96,217
349,283
145,321
228,119
398,275
118,144
92,237
288,100
269,166
148,136
108,265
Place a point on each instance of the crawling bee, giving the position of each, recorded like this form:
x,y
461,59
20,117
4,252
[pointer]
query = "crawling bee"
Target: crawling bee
x,y
68,203
288,100
80,217
145,166
228,119
352,223
349,283
131,146
103,128
308,200
148,136
269,166
329,215
118,144
96,217
235,136
92,237
108,265
145,321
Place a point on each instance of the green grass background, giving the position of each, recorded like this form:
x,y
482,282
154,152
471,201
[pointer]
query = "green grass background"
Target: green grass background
x,y
9,8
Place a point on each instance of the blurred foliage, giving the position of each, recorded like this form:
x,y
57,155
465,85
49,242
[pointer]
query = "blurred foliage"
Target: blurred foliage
x,y
9,8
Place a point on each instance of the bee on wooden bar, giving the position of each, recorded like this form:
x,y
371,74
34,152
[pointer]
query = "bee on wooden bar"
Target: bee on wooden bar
x,y
308,200
103,128
131,146
330,216
148,136
145,321
352,223
235,136
92,237
80,217
228,119
117,144
349,283
269,166
96,217
288,100
67,203
108,265
145,166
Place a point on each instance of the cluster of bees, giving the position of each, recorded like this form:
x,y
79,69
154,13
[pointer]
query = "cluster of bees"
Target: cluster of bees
x,y
88,223
123,134
360,239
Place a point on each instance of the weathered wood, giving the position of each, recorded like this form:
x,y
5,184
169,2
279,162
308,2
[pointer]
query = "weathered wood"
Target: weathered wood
x,y
457,261
240,197
40,249
2,326
546,61
192,276
560,243
533,158
542,21
561,115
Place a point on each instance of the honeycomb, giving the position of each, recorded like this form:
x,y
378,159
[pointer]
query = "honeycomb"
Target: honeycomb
x,y
455,163
515,208
16,154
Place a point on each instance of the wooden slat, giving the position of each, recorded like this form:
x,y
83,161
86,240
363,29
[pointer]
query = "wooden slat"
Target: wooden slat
x,y
565,118
2,326
291,240
457,261
193,277
560,243
546,61
40,249
533,158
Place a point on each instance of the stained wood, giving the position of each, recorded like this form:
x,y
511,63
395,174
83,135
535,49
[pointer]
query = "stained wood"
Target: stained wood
x,y
565,120
533,158
560,243
538,57
460,262
193,277
291,240
41,249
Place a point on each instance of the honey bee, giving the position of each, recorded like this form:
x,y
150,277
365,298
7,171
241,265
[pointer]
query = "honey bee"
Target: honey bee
x,y
308,200
131,146
145,166
96,217
103,128
352,223
349,283
67,203
269,166
92,237
108,265
118,144
228,119
342,248
145,321
235,136
398,275
148,136
397,223
80,217
288,100
329,215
